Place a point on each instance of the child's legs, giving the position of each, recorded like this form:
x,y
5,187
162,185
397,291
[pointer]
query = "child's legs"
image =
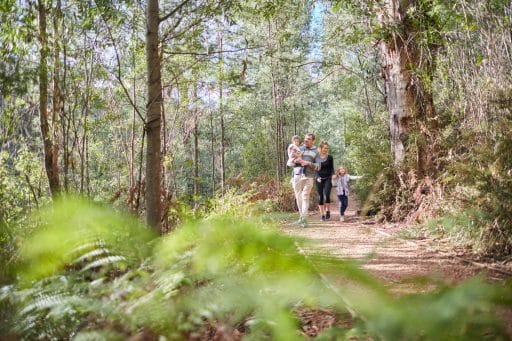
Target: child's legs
x,y
343,203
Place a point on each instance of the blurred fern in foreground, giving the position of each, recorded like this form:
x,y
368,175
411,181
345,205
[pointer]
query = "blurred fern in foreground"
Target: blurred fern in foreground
x,y
91,273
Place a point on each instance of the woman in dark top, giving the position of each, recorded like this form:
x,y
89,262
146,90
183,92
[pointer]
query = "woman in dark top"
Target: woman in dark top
x,y
323,181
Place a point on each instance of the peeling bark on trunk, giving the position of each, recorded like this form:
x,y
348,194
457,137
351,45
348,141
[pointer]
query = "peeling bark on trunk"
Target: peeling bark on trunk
x,y
410,104
400,101
397,78
153,117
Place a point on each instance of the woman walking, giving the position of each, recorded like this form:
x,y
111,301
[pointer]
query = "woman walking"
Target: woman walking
x,y
323,181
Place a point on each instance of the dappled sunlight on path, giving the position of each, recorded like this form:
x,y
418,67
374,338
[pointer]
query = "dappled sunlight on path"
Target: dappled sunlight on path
x,y
404,266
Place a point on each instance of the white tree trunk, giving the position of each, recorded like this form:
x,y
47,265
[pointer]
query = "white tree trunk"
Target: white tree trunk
x,y
399,90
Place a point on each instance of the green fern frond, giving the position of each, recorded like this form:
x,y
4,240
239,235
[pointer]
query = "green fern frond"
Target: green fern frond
x,y
92,254
104,261
96,335
72,225
169,282
87,245
45,301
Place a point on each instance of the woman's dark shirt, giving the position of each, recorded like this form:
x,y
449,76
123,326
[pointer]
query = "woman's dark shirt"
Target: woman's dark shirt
x,y
326,167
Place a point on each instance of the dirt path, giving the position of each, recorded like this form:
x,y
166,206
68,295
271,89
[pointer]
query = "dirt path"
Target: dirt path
x,y
404,266
397,262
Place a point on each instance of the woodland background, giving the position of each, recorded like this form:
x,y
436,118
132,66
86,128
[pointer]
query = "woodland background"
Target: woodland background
x,y
180,110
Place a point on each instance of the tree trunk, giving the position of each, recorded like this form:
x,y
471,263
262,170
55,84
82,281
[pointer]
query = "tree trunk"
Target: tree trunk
x,y
276,106
428,126
64,119
50,148
85,116
59,90
399,98
212,152
134,185
141,162
153,117
221,112
132,136
397,77
196,149
410,104
196,160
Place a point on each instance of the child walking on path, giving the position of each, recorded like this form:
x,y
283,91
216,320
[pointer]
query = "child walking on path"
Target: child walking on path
x,y
342,179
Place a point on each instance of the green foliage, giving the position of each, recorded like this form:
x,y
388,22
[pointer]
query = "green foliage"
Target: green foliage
x,y
368,156
245,270
232,203
17,26
225,270
486,171
463,228
256,162
316,73
448,314
21,184
89,236
22,187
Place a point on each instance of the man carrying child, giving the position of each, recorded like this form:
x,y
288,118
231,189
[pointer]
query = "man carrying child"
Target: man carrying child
x,y
304,168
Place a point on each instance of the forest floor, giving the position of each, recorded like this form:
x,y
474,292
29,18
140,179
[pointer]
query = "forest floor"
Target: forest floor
x,y
397,262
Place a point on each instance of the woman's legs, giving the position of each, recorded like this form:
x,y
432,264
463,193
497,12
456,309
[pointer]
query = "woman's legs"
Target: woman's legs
x,y
327,194
320,191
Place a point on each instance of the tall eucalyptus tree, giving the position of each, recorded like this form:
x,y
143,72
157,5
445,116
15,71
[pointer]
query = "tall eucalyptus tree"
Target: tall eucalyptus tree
x,y
48,133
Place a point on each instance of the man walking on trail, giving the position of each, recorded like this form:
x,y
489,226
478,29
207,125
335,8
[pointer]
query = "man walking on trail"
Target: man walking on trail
x,y
303,183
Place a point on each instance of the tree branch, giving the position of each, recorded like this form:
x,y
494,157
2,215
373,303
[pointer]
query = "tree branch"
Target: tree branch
x,y
209,53
171,30
184,30
174,11
118,74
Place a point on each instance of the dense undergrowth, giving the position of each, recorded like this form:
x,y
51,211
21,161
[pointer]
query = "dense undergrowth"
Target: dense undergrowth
x,y
470,203
84,271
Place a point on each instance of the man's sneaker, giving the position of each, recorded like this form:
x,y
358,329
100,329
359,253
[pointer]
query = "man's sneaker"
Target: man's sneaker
x,y
328,215
323,218
299,222
342,218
